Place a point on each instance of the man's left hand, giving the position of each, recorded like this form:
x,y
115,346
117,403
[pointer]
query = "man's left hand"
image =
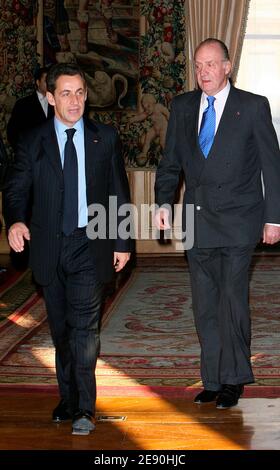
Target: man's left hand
x,y
120,260
271,234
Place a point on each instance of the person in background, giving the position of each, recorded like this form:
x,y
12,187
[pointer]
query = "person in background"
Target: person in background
x,y
30,111
70,163
224,141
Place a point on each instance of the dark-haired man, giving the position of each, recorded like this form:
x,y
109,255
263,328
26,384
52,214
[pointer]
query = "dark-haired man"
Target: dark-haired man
x,y
223,139
70,163
30,111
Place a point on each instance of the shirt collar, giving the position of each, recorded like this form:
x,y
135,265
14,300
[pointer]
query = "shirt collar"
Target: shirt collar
x,y
41,96
60,127
221,95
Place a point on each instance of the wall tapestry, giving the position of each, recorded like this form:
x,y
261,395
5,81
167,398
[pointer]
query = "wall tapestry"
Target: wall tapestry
x,y
102,36
18,58
162,75
132,51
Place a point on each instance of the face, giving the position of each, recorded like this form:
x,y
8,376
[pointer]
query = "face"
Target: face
x,y
68,99
211,68
148,105
41,84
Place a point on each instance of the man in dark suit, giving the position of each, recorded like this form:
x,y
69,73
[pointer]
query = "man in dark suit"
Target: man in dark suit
x,y
30,111
70,163
223,140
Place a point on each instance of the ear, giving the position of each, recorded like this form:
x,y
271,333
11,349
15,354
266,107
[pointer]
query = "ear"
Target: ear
x,y
85,94
227,67
50,98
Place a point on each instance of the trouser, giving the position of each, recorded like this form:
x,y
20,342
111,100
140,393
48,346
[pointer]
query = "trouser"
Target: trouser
x,y
219,280
73,300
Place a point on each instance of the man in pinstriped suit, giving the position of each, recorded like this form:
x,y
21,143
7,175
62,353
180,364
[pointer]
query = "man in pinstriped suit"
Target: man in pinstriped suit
x,y
70,267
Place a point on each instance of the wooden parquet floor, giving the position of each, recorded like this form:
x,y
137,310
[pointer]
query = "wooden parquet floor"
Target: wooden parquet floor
x,y
149,424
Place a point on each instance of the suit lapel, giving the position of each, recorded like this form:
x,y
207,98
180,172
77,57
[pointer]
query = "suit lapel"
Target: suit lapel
x,y
51,148
191,125
229,121
93,147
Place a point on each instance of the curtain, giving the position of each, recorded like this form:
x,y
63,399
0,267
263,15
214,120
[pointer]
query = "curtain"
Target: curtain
x,y
222,19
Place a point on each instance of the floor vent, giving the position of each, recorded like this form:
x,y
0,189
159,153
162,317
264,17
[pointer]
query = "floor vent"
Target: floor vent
x,y
110,418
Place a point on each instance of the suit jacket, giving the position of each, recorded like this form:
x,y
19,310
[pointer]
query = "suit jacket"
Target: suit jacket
x,y
3,163
226,188
27,114
38,168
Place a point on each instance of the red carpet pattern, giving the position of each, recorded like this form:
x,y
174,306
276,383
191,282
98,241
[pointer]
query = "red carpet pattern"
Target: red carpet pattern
x,y
148,340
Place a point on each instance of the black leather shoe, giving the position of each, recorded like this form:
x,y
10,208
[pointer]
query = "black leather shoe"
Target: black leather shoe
x,y
206,396
62,412
229,396
82,423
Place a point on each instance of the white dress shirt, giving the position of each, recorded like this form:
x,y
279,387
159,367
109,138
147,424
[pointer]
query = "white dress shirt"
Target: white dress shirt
x,y
43,102
219,105
79,142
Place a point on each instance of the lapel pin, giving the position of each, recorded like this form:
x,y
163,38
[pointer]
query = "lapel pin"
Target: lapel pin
x,y
95,141
238,113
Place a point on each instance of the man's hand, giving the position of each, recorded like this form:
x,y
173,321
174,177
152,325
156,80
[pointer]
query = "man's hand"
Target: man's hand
x,y
271,234
161,219
18,232
120,260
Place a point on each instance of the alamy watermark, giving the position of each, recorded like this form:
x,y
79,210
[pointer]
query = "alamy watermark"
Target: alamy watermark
x,y
128,221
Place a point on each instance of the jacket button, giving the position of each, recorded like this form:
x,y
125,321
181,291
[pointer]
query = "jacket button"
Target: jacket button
x,y
219,187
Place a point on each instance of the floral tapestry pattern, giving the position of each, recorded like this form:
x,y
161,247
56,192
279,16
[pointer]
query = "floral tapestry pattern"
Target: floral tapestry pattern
x,y
102,36
162,76
142,115
18,58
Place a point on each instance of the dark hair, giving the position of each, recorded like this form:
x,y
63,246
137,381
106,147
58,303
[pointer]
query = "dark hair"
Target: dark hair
x,y
40,72
62,69
222,45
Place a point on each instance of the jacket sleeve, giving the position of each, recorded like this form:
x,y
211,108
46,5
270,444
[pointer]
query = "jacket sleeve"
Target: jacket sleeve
x,y
168,172
269,154
18,187
119,187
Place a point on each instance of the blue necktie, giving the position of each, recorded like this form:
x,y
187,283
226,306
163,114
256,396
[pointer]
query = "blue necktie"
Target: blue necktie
x,y
70,176
207,128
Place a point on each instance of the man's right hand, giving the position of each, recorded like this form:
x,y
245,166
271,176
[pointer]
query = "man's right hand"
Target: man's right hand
x,y
161,219
16,235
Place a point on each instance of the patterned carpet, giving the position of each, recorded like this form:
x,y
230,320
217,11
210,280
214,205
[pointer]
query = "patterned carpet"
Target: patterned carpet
x,y
148,340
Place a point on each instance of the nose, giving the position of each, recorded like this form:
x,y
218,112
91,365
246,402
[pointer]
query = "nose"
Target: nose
x,y
74,99
203,69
